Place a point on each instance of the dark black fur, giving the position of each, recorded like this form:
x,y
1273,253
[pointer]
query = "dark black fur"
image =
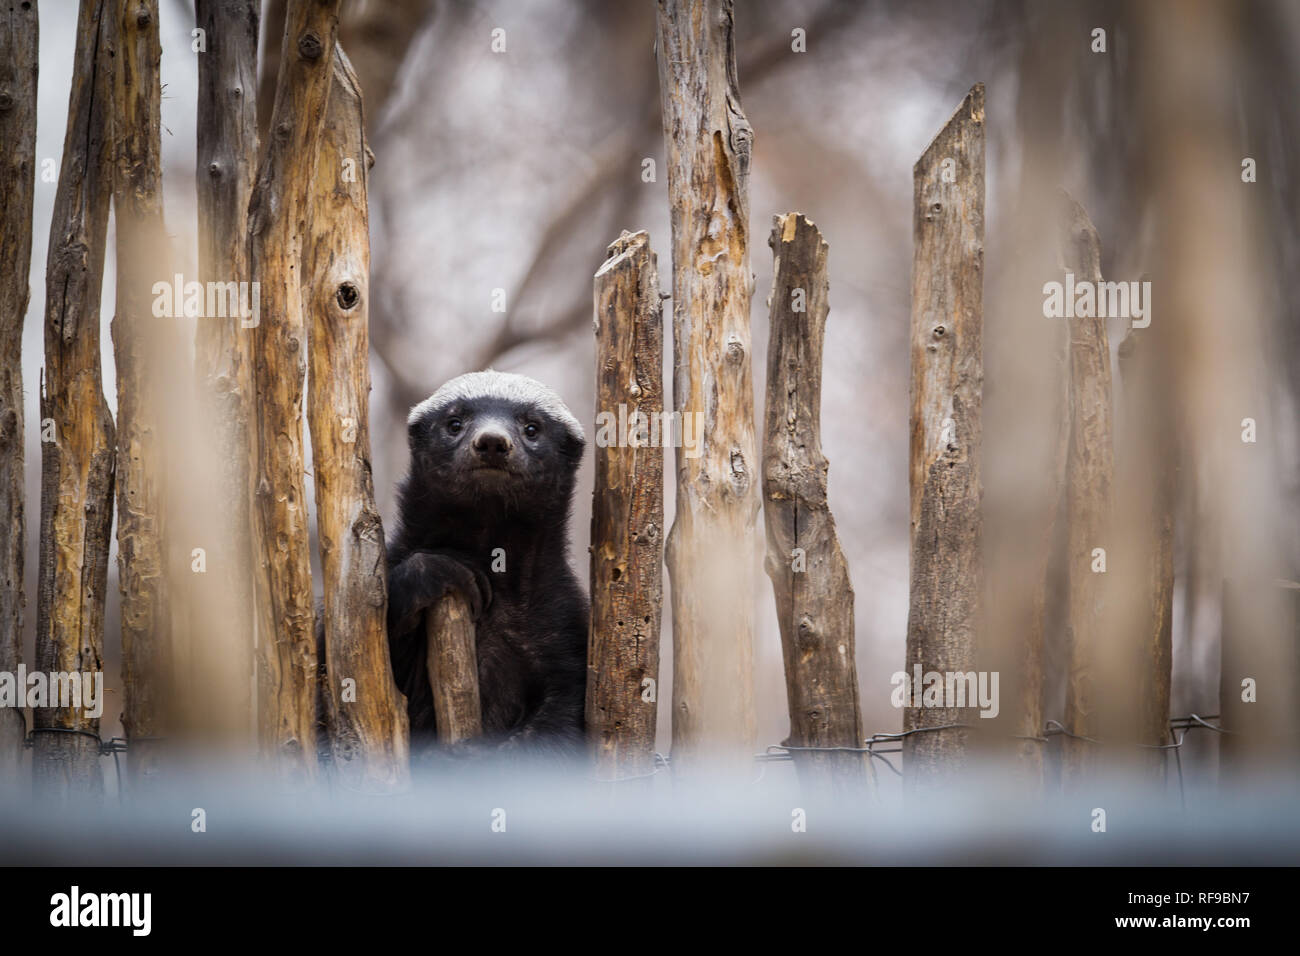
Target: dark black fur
x,y
490,485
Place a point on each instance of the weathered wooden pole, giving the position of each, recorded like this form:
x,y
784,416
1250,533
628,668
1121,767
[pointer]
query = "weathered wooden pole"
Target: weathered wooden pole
x,y
627,514
140,353
19,44
222,608
947,377
712,548
77,465
810,578
1089,492
370,737
278,217
451,662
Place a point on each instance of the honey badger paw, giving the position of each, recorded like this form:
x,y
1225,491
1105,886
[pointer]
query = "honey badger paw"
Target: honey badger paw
x,y
424,578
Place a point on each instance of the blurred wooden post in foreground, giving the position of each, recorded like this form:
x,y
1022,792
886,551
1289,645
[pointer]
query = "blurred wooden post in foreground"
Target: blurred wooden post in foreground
x,y
947,375
627,515
143,357
18,56
1041,526
810,578
712,549
451,662
222,611
1147,462
1089,474
368,727
1259,678
77,466
1224,290
279,211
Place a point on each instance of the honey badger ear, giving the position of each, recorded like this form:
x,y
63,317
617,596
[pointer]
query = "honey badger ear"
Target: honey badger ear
x,y
417,425
574,443
574,440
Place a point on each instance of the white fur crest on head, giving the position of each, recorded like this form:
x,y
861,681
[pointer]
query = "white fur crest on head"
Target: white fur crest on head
x,y
503,385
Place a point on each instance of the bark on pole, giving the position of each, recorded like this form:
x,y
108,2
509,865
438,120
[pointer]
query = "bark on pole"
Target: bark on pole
x,y
451,663
369,734
18,58
77,466
278,220
1089,476
947,375
810,578
222,610
627,515
712,548
140,354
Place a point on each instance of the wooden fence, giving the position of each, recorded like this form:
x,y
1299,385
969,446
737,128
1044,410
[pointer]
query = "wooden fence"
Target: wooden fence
x,y
289,216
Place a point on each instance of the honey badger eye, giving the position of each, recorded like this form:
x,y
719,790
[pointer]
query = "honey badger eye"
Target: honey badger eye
x,y
531,429
454,425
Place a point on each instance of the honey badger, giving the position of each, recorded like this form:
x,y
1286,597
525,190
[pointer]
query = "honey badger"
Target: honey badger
x,y
485,510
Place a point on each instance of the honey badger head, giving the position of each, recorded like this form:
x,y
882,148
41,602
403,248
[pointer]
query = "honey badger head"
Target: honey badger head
x,y
495,439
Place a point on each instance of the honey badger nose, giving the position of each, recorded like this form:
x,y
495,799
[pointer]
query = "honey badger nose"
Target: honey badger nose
x,y
492,442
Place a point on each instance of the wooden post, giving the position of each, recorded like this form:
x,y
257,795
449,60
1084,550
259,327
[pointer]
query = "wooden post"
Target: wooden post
x,y
1243,719
1218,286
947,373
278,214
222,611
1259,677
712,549
452,665
18,54
810,578
1025,429
1148,460
77,466
1042,521
140,353
1089,475
1039,520
627,515
369,733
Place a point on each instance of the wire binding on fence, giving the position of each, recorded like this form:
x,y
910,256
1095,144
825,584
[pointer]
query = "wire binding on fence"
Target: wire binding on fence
x,y
1053,728
660,765
774,752
111,747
